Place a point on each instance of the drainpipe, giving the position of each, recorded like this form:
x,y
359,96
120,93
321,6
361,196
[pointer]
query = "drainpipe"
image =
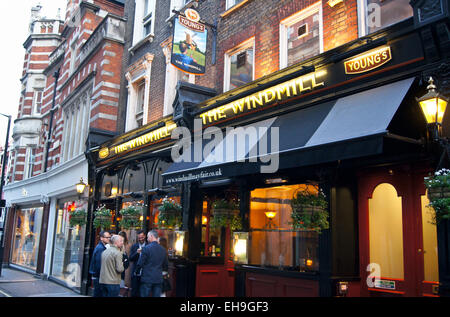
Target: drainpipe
x,y
50,125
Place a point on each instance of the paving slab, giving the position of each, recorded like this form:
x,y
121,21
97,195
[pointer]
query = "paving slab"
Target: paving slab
x,y
16,283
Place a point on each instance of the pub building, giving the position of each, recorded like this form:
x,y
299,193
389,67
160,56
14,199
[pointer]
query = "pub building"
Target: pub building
x,y
346,123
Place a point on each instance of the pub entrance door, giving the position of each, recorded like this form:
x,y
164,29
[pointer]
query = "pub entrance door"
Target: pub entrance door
x,y
398,241
215,270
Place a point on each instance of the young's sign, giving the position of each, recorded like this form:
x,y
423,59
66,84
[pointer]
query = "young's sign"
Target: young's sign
x,y
368,61
189,44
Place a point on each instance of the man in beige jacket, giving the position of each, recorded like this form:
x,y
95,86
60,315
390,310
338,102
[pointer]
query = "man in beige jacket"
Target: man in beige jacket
x,y
112,267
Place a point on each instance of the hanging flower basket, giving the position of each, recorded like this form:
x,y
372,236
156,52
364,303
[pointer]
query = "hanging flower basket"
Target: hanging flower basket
x,y
225,214
309,211
438,187
170,216
103,218
77,218
131,217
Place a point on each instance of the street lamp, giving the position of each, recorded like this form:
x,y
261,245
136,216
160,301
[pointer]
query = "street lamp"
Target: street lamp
x,y
80,187
433,106
2,182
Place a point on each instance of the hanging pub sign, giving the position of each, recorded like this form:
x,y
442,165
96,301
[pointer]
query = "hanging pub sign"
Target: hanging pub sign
x,y
189,43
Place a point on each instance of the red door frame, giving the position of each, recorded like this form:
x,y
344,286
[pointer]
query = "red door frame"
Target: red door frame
x,y
408,181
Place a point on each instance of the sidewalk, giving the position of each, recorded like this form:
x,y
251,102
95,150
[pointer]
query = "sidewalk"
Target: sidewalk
x,y
15,283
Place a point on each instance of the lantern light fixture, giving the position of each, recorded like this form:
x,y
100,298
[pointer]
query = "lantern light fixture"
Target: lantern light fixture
x,y
80,186
433,105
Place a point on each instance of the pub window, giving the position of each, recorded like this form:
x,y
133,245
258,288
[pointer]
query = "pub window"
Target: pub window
x,y
273,242
167,231
239,65
374,15
212,243
301,36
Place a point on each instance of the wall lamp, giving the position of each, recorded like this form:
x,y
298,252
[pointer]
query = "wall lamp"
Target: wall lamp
x,y
80,187
433,106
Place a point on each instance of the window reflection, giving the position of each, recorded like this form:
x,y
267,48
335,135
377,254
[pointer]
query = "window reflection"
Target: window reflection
x,y
68,245
382,13
26,239
273,242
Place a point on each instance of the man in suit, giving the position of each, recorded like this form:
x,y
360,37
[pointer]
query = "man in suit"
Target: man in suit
x,y
153,258
96,263
112,267
135,253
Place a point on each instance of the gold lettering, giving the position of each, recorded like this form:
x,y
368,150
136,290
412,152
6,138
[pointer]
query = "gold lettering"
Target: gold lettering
x,y
283,89
266,97
256,100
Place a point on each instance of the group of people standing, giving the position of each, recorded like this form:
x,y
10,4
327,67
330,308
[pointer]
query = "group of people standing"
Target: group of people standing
x,y
148,262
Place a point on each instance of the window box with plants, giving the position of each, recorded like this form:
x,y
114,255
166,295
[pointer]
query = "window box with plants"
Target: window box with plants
x,y
170,216
131,217
103,218
77,217
438,187
225,214
309,211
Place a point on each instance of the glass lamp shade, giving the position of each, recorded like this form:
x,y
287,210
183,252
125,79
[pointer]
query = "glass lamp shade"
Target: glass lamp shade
x,y
240,247
80,186
433,104
179,242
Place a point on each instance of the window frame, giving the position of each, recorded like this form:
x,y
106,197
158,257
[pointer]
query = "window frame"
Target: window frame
x,y
35,101
145,12
289,21
363,28
231,3
227,61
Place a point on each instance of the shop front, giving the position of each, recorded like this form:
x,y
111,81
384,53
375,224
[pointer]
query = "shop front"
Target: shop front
x,y
348,131
45,238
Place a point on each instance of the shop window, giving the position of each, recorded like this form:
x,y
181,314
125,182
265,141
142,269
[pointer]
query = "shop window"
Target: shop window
x,y
110,187
27,233
68,245
273,242
239,65
386,231
378,14
212,242
134,179
301,36
430,252
167,232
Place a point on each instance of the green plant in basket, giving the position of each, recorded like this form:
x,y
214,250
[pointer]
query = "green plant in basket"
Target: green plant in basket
x,y
77,217
103,218
310,211
225,214
169,214
438,187
131,217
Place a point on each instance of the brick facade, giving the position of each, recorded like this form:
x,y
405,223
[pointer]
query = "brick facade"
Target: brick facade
x,y
95,67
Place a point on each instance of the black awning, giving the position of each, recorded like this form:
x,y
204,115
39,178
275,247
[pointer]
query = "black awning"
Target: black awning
x,y
349,127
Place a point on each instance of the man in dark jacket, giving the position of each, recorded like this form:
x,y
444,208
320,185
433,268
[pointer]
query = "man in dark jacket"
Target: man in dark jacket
x,y
96,262
153,258
135,252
